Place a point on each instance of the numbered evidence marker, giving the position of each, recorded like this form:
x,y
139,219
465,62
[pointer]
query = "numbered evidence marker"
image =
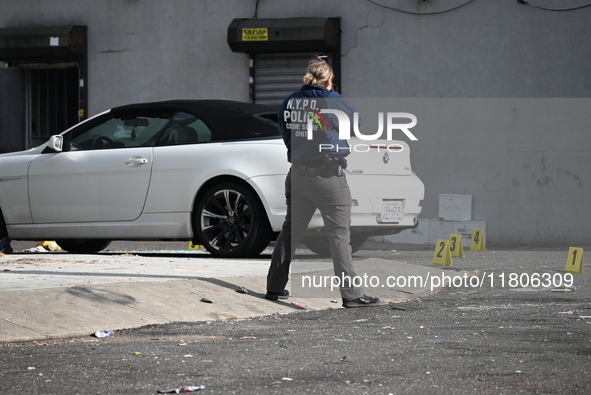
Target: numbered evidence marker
x,y
442,255
194,246
574,262
477,243
455,246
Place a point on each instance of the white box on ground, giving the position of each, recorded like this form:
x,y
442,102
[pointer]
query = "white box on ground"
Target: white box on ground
x,y
420,235
465,229
455,207
376,239
439,230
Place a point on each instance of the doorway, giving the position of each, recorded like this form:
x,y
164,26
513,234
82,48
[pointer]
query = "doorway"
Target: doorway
x,y
42,84
52,102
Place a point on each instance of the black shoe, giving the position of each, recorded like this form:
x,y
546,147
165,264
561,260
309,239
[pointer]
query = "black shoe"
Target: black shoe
x,y
364,301
275,296
5,247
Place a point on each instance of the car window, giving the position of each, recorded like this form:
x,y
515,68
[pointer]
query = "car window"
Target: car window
x,y
118,133
149,127
234,126
269,118
185,129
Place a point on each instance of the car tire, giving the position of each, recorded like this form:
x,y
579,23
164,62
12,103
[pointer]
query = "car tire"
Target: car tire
x,y
231,222
81,246
319,244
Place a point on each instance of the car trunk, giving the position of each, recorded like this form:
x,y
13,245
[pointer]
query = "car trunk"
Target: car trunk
x,y
379,157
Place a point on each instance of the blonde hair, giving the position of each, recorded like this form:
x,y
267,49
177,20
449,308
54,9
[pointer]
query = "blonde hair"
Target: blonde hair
x,y
318,72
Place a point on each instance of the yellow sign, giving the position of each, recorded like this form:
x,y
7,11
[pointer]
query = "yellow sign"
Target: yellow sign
x,y
477,243
442,255
455,246
255,34
574,262
194,246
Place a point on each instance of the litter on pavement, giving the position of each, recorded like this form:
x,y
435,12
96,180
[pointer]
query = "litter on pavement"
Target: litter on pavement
x,y
45,246
103,333
189,388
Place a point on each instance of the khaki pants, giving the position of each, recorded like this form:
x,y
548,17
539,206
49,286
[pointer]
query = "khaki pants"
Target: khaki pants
x,y
305,192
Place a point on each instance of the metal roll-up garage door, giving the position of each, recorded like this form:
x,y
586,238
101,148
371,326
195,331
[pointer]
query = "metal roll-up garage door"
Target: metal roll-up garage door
x,y
277,75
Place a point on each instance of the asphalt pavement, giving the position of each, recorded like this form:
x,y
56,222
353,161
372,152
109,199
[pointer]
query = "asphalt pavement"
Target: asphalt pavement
x,y
496,321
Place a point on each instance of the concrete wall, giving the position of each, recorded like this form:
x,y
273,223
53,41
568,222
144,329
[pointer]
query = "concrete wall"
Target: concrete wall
x,y
143,50
526,163
501,90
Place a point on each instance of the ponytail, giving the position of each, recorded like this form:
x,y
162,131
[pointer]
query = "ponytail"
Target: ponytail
x,y
318,72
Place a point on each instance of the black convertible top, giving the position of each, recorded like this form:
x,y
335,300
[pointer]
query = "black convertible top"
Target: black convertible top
x,y
197,106
227,120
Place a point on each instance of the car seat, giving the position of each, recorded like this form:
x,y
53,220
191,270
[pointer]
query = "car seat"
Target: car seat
x,y
184,135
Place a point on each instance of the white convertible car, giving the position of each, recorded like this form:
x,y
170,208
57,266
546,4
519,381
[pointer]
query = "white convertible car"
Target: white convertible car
x,y
210,171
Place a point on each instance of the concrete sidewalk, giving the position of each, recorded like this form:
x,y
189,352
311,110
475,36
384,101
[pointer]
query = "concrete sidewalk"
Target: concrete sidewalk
x,y
53,295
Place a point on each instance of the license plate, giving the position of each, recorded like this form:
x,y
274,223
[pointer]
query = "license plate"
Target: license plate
x,y
391,211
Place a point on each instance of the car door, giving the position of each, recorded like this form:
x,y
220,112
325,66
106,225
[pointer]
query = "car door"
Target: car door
x,y
182,156
103,174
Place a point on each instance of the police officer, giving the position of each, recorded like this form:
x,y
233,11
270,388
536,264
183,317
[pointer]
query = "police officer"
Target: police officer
x,y
316,181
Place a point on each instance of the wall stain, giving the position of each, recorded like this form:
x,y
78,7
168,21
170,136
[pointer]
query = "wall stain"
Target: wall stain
x,y
544,182
566,172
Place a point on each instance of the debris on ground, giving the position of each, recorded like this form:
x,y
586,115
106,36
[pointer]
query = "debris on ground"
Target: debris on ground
x,y
103,333
44,246
189,388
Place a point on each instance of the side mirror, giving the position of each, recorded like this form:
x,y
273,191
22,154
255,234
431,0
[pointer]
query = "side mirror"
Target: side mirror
x,y
56,143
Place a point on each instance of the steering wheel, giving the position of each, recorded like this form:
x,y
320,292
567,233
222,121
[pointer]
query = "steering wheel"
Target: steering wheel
x,y
102,142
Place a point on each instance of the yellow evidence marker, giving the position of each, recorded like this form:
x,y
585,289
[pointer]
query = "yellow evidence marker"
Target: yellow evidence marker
x,y
195,246
574,261
442,255
477,243
455,246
